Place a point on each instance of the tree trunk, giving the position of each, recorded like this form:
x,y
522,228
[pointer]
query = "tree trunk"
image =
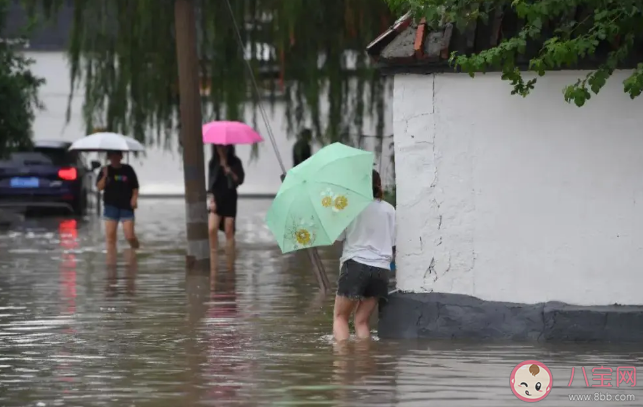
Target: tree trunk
x,y
196,216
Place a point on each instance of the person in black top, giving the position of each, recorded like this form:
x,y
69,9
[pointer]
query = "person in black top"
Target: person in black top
x,y
225,175
119,184
301,150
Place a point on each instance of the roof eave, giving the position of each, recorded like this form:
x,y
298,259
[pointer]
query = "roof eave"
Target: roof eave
x,y
375,47
419,57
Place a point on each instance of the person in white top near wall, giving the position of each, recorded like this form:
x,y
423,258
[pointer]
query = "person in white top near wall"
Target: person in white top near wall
x,y
365,265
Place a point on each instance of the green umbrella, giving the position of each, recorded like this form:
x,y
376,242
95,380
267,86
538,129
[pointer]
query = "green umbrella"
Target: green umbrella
x,y
320,197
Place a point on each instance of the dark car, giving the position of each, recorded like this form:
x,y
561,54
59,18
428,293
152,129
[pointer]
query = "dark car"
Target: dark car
x,y
46,176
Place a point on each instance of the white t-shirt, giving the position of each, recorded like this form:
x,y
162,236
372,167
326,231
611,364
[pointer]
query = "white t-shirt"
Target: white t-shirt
x,y
370,238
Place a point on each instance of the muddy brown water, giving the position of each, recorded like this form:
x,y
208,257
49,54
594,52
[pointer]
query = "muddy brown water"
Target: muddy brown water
x,y
74,332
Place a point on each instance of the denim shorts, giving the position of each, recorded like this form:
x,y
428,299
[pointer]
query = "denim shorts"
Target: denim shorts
x,y
358,281
117,214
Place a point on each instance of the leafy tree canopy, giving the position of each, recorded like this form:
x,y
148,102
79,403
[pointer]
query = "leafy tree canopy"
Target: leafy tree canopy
x,y
565,33
18,94
123,53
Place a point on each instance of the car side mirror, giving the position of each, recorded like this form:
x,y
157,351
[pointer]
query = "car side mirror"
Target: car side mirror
x,y
95,165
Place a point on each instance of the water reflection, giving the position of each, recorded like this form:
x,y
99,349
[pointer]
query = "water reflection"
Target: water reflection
x,y
218,344
129,271
198,293
77,332
223,339
68,231
360,375
68,238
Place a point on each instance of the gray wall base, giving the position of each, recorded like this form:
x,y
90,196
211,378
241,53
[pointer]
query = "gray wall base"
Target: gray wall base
x,y
455,316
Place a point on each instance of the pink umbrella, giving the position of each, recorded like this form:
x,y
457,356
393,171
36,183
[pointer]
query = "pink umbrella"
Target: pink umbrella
x,y
226,133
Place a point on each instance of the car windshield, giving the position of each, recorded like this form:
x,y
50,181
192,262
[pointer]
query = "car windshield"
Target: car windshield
x,y
58,156
31,158
45,155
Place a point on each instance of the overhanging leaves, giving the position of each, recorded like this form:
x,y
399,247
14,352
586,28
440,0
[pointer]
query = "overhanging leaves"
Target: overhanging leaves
x,y
122,53
551,35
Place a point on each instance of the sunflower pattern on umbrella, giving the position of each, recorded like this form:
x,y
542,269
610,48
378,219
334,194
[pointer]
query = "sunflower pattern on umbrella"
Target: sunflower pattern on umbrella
x,y
334,201
320,197
301,233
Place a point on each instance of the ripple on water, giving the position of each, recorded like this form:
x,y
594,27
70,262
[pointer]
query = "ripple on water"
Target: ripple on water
x,y
75,332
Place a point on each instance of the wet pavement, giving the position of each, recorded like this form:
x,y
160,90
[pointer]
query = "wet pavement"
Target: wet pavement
x,y
74,332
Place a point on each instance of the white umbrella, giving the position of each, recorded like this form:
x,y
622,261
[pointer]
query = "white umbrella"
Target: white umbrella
x,y
107,142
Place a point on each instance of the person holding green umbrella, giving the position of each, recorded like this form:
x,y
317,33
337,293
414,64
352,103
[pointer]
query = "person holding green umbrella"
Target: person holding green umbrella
x,y
336,195
369,248
320,197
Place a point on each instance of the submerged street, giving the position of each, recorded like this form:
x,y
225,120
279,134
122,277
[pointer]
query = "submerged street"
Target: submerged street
x,y
74,332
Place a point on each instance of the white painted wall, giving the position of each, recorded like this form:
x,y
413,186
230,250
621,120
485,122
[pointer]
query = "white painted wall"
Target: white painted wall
x,y
518,199
161,171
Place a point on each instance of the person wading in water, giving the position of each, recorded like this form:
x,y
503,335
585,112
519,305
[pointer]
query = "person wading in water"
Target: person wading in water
x,y
225,175
119,184
369,248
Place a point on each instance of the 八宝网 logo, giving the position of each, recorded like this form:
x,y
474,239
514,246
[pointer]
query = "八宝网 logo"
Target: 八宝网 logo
x,y
531,381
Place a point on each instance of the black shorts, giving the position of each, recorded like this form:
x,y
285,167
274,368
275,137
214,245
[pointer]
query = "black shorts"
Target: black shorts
x,y
358,281
226,204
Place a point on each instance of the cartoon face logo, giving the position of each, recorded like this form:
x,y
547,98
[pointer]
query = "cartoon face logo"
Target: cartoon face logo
x,y
531,381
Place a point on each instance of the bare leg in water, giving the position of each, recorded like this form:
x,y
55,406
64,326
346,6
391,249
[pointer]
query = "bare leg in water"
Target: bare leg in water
x,y
214,221
213,229
363,316
111,226
230,243
343,308
130,235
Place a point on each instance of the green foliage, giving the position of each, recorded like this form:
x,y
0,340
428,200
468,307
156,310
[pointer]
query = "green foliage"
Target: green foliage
x,y
576,30
18,94
123,53
390,196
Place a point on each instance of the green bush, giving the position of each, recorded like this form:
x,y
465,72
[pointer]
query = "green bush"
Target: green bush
x,y
18,94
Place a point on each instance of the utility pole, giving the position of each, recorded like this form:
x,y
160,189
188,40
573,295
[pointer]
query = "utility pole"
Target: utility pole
x,y
196,215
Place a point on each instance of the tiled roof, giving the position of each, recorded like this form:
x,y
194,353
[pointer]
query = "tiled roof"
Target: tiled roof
x,y
411,43
409,46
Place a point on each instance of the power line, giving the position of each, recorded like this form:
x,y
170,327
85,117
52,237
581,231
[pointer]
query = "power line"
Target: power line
x,y
256,88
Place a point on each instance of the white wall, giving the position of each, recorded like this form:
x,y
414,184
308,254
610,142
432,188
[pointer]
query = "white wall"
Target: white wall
x,y
161,171
519,199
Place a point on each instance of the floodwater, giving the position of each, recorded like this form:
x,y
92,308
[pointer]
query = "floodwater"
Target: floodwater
x,y
74,332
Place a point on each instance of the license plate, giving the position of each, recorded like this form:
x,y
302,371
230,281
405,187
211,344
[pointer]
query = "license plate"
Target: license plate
x,y
24,182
